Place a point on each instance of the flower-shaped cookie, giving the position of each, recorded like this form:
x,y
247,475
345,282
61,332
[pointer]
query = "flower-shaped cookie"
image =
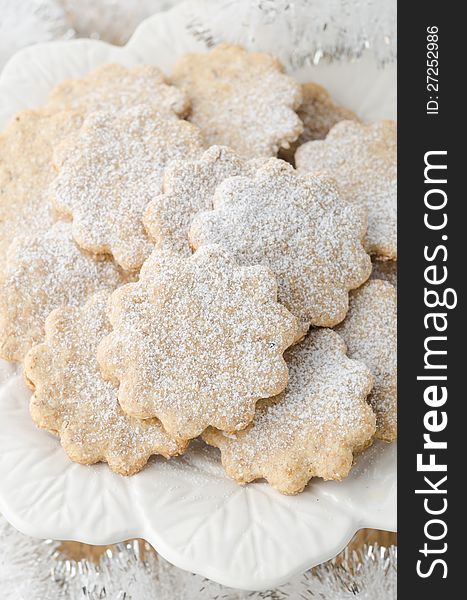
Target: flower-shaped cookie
x,y
110,171
71,398
117,87
241,100
189,187
319,114
197,341
370,332
44,272
362,160
312,428
26,171
299,228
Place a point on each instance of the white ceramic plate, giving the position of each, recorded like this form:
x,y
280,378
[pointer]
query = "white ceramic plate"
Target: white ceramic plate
x,y
246,537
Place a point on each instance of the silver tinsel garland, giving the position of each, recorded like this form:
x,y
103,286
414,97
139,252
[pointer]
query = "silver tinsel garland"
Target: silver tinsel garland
x,y
301,32
33,569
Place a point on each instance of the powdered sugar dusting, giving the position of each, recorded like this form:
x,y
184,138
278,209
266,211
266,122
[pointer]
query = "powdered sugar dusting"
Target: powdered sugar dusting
x,y
362,160
46,271
319,114
197,341
299,228
26,171
189,187
370,332
311,428
73,400
240,99
110,172
115,87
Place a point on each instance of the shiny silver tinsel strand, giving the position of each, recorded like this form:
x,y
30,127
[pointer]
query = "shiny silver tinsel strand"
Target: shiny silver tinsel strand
x,y
32,569
25,566
300,32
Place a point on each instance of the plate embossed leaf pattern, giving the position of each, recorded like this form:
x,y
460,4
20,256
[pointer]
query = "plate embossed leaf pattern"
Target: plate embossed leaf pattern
x,y
247,537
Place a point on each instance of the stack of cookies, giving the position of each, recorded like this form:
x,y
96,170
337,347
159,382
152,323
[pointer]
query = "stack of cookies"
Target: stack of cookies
x,y
165,276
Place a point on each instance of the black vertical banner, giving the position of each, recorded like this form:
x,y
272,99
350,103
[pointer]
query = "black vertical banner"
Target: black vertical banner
x,y
431,275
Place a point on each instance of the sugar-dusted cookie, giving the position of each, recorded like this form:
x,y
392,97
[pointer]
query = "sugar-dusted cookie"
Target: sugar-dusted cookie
x,y
26,170
362,160
299,228
44,272
385,269
189,187
71,398
319,113
240,99
370,332
110,171
114,86
312,428
197,341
